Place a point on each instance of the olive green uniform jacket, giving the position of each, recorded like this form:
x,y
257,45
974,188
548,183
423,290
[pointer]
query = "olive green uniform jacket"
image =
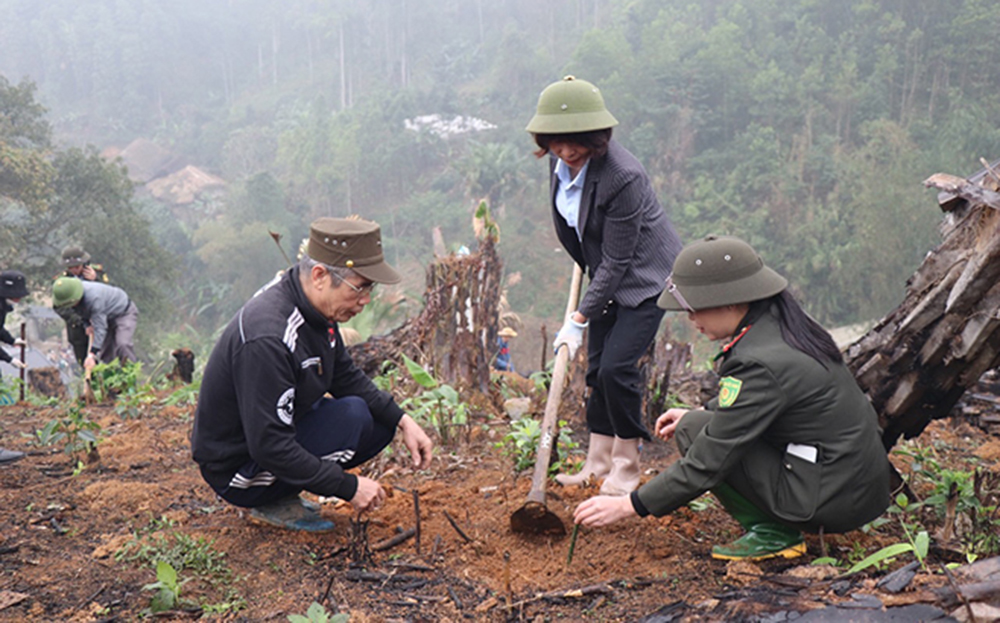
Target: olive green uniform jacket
x,y
771,396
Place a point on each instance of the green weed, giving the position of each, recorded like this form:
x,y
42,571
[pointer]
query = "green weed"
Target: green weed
x,y
318,614
167,587
75,432
438,407
158,541
522,441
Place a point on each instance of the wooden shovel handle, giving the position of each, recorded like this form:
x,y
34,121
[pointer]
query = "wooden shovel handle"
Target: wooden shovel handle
x,y
547,439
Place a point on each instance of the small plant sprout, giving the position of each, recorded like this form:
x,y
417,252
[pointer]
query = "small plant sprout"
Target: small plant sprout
x,y
521,443
439,406
318,614
167,587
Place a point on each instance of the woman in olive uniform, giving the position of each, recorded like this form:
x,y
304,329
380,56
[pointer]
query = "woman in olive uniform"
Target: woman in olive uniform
x,y
790,444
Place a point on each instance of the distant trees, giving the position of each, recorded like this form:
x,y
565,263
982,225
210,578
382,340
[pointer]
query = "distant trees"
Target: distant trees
x,y
51,197
802,126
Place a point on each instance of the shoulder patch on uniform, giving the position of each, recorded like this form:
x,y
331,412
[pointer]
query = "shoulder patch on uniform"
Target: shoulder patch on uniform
x,y
729,390
286,406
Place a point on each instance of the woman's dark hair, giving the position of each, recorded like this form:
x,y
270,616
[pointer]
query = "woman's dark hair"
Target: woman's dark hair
x,y
798,329
595,140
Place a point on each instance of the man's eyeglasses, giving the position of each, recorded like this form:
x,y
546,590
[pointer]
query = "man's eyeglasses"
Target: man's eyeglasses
x,y
361,291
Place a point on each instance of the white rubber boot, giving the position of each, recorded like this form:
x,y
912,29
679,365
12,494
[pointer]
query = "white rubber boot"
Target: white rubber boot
x,y
597,465
624,476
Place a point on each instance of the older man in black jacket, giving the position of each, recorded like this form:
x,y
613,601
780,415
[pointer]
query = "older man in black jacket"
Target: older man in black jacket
x,y
264,429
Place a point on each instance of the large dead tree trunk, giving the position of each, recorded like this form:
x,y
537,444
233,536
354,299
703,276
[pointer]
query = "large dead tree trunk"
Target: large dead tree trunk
x,y
455,334
918,361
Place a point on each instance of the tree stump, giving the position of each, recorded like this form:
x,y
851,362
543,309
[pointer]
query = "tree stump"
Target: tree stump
x,y
455,334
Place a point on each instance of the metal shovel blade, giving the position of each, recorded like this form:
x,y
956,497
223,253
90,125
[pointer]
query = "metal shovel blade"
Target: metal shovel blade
x,y
536,518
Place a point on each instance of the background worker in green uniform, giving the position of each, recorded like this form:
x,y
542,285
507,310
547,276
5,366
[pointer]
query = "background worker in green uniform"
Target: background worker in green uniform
x,y
790,444
76,261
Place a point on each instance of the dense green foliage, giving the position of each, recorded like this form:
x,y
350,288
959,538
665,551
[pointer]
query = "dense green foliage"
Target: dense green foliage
x,y
803,126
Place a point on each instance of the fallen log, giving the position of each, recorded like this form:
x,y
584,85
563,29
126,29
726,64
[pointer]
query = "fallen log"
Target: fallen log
x,y
919,360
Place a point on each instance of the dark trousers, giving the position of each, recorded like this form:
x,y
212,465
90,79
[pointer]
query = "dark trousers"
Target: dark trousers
x,y
340,430
118,340
616,340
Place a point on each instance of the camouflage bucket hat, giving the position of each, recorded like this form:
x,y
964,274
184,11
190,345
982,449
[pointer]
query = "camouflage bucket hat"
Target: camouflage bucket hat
x,y
351,243
66,291
717,271
12,285
74,256
570,106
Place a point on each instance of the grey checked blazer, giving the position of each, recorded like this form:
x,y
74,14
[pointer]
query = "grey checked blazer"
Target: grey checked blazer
x,y
629,245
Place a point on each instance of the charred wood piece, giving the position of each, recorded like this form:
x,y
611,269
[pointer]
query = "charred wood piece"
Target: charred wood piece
x,y
183,366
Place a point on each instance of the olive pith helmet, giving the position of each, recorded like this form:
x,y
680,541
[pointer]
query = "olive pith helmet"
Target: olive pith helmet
x,y
66,291
351,243
74,256
717,271
570,106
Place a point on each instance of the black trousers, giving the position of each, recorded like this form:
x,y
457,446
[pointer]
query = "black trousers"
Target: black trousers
x,y
339,430
616,340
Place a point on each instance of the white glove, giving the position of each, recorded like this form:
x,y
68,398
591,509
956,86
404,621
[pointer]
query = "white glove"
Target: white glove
x,y
19,342
17,363
570,335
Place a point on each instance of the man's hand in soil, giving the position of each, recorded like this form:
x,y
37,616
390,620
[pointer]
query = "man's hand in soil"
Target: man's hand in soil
x,y
417,442
369,495
603,510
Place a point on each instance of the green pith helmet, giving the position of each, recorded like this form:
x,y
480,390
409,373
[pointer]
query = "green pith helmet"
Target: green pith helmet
x,y
717,271
570,106
66,291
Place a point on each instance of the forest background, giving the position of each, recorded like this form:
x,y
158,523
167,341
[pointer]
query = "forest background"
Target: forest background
x,y
803,126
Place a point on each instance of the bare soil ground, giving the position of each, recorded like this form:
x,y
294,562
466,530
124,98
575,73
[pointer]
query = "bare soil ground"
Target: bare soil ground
x,y
60,532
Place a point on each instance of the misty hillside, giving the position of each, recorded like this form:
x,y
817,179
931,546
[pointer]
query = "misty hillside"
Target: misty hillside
x,y
804,127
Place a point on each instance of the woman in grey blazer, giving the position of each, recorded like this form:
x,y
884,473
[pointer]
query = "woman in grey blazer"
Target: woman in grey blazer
x,y
608,219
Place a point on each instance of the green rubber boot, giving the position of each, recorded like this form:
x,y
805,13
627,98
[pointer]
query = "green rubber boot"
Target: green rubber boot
x,y
764,538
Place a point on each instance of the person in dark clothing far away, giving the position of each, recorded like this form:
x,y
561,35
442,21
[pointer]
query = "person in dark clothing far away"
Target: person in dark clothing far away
x,y
502,361
77,263
265,428
12,290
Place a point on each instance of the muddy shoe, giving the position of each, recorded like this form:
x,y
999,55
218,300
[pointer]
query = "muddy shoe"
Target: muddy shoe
x,y
309,505
9,456
291,514
763,541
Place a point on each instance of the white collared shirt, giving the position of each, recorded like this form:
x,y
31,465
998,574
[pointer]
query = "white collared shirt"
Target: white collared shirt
x,y
569,193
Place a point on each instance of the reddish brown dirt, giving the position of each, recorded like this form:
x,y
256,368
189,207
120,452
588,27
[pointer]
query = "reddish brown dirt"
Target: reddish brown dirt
x,y
59,534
